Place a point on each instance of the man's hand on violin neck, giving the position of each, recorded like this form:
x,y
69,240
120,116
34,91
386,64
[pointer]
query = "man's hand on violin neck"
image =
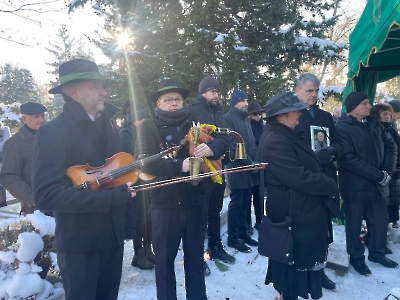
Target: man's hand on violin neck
x,y
203,150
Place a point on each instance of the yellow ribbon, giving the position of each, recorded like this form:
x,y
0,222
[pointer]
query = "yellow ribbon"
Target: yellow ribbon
x,y
216,178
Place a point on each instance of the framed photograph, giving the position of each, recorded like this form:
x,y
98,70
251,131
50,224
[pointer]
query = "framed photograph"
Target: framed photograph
x,y
319,137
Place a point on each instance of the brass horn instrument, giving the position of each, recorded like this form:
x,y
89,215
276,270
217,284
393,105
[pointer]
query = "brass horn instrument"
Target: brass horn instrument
x,y
240,152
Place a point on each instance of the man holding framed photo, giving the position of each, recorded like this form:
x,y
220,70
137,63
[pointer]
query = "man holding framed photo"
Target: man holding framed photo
x,y
306,89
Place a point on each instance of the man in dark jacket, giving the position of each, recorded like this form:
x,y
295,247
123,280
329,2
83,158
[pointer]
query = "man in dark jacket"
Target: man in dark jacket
x,y
307,87
240,184
207,110
364,173
143,256
15,174
257,127
178,211
91,225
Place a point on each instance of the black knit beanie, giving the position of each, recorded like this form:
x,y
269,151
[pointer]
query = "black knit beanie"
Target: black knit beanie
x,y
353,100
395,104
208,83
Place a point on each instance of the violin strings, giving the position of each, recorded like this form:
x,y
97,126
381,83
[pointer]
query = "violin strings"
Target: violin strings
x,y
126,169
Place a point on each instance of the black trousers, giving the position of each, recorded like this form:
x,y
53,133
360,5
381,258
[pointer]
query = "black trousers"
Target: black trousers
x,y
94,275
237,211
258,206
376,215
215,198
141,208
170,226
393,212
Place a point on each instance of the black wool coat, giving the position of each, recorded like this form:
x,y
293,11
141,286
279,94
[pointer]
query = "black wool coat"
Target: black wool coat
x,y
324,119
394,184
367,151
154,133
238,121
292,165
201,111
85,220
257,127
128,136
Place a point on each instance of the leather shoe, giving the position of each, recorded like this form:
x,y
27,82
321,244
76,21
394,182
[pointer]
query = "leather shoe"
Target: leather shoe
x,y
218,252
327,283
239,245
360,267
384,261
249,241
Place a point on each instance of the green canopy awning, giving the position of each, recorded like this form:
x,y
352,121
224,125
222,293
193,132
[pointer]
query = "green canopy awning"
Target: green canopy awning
x,y
374,53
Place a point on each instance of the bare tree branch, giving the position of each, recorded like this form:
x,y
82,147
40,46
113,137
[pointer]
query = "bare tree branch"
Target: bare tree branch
x,y
8,40
22,7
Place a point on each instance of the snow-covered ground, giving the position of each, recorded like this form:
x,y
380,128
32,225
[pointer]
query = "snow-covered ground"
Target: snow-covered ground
x,y
246,281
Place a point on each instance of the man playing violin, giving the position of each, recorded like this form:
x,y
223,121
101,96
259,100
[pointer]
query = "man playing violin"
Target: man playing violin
x,y
178,211
91,226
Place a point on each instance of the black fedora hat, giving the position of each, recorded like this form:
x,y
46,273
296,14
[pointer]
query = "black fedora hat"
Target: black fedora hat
x,y
168,86
254,107
76,70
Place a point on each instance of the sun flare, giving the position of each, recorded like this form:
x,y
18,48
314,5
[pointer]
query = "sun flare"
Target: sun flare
x,y
123,39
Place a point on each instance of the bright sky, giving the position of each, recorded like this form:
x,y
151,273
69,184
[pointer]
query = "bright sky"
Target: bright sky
x,y
43,27
39,30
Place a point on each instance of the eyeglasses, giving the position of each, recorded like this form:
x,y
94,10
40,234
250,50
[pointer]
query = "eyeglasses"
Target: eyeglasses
x,y
256,114
177,100
214,91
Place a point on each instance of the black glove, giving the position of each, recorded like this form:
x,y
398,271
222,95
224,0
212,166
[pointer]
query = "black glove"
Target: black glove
x,y
331,150
325,155
120,195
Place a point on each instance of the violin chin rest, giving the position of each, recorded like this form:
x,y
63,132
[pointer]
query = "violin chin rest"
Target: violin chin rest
x,y
146,177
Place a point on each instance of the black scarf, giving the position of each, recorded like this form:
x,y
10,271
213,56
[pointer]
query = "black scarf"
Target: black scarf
x,y
33,131
174,118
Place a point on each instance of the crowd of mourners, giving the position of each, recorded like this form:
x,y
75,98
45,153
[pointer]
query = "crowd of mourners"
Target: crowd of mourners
x,y
319,166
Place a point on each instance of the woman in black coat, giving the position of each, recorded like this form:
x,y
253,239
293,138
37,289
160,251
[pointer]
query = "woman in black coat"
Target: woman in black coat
x,y
292,165
385,112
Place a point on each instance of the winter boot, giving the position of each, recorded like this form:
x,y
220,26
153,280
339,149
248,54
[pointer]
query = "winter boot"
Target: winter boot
x,y
149,253
139,260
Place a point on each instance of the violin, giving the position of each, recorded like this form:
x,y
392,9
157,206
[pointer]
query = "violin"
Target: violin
x,y
118,169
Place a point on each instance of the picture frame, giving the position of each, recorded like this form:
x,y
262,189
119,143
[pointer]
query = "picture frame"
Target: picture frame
x,y
316,137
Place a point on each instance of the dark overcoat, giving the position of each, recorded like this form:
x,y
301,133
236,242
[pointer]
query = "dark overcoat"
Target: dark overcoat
x,y
394,184
155,132
257,127
201,111
15,175
85,220
324,119
141,202
293,165
128,136
367,151
238,121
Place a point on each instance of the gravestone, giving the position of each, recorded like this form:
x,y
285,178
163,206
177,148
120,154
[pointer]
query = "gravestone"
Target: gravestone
x,y
338,259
